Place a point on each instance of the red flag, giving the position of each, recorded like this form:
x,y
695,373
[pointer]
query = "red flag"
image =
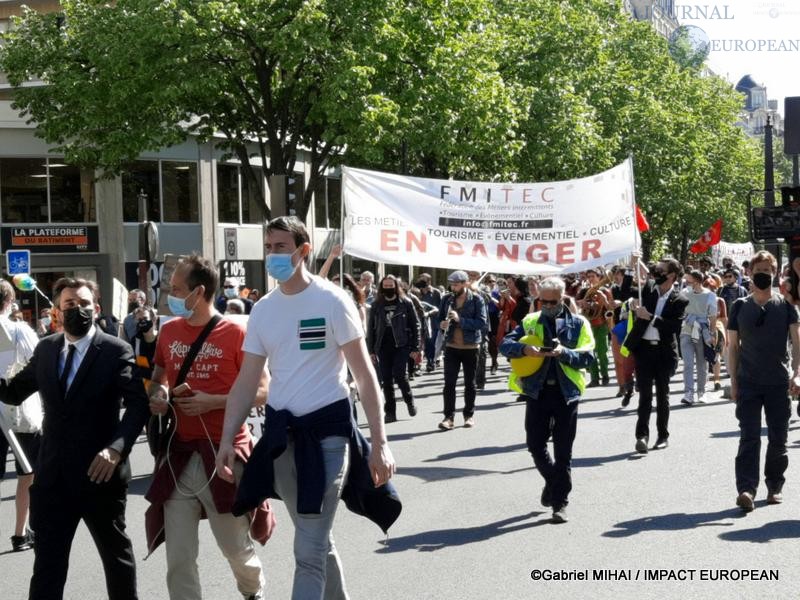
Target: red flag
x,y
710,238
641,222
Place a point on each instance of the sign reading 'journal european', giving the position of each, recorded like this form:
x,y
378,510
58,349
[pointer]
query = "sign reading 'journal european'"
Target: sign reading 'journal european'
x,y
538,228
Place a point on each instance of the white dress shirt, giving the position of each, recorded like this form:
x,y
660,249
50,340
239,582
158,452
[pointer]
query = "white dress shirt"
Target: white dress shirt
x,y
81,347
651,333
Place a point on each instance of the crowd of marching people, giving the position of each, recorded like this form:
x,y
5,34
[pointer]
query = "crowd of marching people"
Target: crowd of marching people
x,y
320,349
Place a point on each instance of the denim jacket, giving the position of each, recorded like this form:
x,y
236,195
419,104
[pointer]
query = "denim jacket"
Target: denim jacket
x,y
471,316
575,336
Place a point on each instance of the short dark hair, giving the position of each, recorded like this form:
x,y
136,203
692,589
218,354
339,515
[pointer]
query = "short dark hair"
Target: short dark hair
x,y
697,275
673,266
291,225
200,271
73,284
7,294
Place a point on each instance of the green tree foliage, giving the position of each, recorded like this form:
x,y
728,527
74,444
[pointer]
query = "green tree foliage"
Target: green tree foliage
x,y
525,90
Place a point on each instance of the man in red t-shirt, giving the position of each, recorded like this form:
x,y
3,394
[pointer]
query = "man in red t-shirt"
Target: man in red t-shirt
x,y
185,484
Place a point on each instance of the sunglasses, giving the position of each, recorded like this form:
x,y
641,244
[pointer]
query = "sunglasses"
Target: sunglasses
x,y
550,302
229,287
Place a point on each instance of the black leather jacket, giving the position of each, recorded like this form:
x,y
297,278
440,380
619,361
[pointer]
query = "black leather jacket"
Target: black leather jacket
x,y
405,326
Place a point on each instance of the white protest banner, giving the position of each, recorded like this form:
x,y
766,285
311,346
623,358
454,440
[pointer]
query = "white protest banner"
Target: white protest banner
x,y
536,228
738,252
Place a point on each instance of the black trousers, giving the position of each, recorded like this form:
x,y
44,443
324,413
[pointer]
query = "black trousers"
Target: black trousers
x,y
454,359
480,368
392,363
494,323
777,410
549,407
654,365
55,514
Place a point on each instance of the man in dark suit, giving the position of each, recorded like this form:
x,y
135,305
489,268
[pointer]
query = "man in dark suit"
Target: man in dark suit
x,y
82,376
653,341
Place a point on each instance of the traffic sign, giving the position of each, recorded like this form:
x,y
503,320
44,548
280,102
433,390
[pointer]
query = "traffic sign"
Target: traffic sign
x,y
231,244
18,262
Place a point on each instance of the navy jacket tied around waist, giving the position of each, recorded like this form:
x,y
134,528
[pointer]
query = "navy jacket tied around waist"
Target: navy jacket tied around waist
x,y
381,505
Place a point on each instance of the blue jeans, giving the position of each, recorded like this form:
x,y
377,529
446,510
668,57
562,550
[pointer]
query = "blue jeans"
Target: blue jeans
x,y
694,360
318,570
774,399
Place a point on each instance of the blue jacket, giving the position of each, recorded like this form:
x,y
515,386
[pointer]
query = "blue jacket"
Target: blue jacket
x,y
471,315
568,333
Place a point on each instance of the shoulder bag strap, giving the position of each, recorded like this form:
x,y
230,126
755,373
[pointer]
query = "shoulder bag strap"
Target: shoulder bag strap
x,y
195,349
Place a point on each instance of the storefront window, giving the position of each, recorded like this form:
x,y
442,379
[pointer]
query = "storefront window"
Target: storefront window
x,y
321,204
227,193
295,187
23,190
71,193
252,200
140,177
179,184
334,202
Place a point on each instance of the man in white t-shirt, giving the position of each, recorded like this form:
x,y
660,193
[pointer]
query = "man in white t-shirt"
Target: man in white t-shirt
x,y
310,332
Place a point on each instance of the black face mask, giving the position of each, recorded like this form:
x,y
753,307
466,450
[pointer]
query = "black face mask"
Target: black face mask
x,y
422,284
78,320
660,278
144,325
762,281
388,293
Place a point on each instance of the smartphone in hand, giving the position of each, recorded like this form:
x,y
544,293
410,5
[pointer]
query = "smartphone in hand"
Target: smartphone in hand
x,y
182,391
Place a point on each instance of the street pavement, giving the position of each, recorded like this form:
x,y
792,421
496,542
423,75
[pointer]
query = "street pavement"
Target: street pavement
x,y
472,526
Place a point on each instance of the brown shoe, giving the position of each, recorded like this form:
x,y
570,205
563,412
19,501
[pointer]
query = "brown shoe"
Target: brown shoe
x,y
446,424
745,501
774,498
469,422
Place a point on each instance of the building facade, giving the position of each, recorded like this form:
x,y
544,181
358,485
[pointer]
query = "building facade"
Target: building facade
x,y
758,108
659,13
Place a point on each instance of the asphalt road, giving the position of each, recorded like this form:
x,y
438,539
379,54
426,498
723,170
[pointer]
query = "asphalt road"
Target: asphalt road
x,y
472,526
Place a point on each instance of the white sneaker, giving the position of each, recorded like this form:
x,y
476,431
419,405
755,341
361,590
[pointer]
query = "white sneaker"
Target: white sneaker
x,y
687,401
701,399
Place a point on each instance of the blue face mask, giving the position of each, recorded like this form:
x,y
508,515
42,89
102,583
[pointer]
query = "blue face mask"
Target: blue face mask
x,y
177,307
231,293
280,266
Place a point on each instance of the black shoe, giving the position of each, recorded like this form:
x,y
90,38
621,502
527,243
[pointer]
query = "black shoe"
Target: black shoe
x,y
626,399
717,386
20,543
661,443
593,383
493,370
641,445
480,386
389,418
605,380
620,393
412,408
429,368
547,497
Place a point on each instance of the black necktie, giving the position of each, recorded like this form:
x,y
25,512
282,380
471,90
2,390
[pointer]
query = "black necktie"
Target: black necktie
x,y
67,368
